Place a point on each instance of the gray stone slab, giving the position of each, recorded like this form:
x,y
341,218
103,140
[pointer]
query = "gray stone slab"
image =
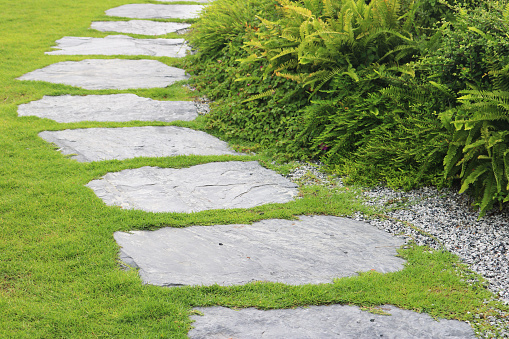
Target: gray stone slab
x,y
144,27
320,322
153,11
201,1
97,144
109,74
312,250
121,45
114,107
203,187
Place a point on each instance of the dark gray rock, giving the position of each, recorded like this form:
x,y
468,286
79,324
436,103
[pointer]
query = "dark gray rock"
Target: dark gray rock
x,y
320,322
311,250
96,144
144,27
109,74
114,107
151,11
121,45
203,187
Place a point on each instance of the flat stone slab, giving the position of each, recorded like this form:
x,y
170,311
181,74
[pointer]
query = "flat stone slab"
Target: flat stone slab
x,y
143,27
320,322
312,250
209,186
121,45
97,74
153,11
114,107
97,144
203,1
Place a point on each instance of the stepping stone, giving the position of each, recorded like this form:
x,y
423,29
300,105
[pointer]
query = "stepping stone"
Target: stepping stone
x,y
150,11
109,74
203,1
97,144
320,322
144,27
312,250
114,107
121,45
209,186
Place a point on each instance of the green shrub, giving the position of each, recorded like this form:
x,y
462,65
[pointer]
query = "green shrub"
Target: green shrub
x,y
479,150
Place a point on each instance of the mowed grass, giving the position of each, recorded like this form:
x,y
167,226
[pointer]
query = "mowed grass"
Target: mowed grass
x,y
59,271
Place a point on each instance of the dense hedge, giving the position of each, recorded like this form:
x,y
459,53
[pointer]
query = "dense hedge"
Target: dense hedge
x,y
398,91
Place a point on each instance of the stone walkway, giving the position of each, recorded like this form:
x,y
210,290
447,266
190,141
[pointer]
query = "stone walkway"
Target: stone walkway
x,y
311,250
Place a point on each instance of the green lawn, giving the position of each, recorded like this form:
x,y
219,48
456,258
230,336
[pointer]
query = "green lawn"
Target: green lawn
x,y
59,273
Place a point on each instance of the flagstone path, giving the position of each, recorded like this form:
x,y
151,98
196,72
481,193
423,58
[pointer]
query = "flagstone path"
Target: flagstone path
x,y
114,107
216,185
150,11
312,249
143,27
121,45
96,144
109,74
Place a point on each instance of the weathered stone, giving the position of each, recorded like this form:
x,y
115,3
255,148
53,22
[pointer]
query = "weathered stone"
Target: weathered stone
x,y
97,144
312,250
114,107
143,27
151,11
121,45
203,187
109,74
202,1
323,322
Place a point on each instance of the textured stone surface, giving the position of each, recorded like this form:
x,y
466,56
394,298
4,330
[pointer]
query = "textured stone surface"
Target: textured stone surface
x,y
109,74
144,27
151,11
96,144
209,186
121,45
311,250
203,1
114,107
320,322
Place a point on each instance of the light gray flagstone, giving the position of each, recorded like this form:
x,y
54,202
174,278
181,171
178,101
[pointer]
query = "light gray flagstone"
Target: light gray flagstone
x,y
121,45
217,185
204,1
323,322
113,107
109,74
144,27
96,144
153,11
311,250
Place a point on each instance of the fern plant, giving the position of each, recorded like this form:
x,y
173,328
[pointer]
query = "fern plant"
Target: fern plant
x,y
479,151
314,40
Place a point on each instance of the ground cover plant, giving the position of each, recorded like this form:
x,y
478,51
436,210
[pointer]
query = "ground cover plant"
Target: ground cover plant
x,y
59,275
368,87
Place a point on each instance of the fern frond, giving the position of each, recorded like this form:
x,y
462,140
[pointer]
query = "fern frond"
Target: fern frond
x,y
259,96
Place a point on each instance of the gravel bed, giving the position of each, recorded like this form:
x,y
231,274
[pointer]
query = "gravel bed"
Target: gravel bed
x,y
440,219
